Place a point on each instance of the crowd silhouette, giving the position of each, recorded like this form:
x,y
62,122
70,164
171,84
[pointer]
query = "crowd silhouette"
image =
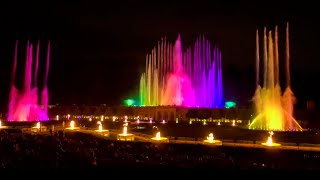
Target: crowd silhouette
x,y
61,149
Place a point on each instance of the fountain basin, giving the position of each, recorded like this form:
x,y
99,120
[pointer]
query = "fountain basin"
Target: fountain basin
x,y
73,128
271,144
36,129
4,127
102,132
161,139
125,137
213,142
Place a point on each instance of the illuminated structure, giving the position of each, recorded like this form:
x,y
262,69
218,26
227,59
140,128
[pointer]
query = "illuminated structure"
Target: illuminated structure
x,y
192,78
158,138
23,105
274,111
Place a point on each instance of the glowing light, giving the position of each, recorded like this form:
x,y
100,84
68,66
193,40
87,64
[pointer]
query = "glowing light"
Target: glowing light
x,y
159,138
129,102
219,123
100,125
57,117
230,104
38,125
102,131
68,116
270,141
124,136
1,126
150,120
191,78
233,122
90,118
72,124
125,130
102,118
113,118
210,138
125,118
163,121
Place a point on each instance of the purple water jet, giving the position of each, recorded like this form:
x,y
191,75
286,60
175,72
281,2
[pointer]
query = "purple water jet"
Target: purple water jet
x,y
23,104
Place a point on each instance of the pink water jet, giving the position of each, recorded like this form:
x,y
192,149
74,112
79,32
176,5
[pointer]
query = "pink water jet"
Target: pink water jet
x,y
178,90
24,104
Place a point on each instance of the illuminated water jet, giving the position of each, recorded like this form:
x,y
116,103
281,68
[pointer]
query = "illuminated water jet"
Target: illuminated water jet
x,y
72,126
210,139
38,128
38,125
192,78
101,130
124,136
23,104
274,111
159,138
270,141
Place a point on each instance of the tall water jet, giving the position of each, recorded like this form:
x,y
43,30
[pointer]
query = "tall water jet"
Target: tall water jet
x,y
191,77
274,110
23,104
45,93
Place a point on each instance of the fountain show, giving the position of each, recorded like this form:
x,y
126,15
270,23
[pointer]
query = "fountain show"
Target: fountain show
x,y
204,87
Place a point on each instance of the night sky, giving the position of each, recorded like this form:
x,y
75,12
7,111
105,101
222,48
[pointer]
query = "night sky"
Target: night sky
x,y
98,48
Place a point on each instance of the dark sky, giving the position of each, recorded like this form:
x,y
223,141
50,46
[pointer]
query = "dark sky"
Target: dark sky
x,y
98,48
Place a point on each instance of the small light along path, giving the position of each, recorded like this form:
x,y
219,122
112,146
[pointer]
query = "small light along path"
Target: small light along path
x,y
146,138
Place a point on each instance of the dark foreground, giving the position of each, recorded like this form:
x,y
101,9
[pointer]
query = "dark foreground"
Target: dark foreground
x,y
61,151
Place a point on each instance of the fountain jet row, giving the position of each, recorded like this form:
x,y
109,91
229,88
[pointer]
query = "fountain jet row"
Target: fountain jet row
x,y
274,110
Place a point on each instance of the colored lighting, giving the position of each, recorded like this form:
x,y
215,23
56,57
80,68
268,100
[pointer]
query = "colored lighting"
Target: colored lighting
x,y
230,104
129,102
192,78
274,109
23,105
